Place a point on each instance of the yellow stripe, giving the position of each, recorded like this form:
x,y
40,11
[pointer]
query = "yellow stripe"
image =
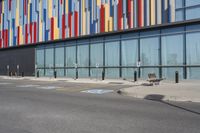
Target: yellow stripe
x,y
152,12
28,13
106,17
83,17
17,14
50,8
2,6
56,29
21,36
110,24
40,33
66,7
99,3
10,37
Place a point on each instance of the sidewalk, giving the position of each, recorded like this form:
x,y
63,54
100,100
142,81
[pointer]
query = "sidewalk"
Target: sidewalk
x,y
81,80
188,90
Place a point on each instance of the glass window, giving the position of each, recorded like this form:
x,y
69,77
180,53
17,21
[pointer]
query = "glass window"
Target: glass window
x,y
83,72
179,15
112,73
172,50
112,53
169,73
192,2
49,58
128,72
193,73
71,73
129,52
172,30
193,13
83,55
70,56
179,3
193,48
146,71
96,57
41,72
149,51
49,72
40,58
60,72
96,73
59,57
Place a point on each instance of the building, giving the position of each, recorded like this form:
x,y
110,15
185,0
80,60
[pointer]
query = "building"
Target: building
x,y
87,37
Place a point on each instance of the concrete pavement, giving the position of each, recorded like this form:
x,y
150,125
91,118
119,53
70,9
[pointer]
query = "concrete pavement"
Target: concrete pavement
x,y
167,91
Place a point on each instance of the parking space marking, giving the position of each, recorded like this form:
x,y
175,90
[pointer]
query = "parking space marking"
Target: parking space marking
x,y
28,86
97,91
48,87
5,83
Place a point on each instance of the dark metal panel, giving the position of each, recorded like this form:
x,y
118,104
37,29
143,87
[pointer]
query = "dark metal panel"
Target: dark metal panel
x,y
24,57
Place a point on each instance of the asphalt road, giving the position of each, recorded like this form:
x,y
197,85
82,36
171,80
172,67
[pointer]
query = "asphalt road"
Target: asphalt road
x,y
57,107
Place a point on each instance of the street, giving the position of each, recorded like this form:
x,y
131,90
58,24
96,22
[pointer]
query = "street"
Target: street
x,y
56,107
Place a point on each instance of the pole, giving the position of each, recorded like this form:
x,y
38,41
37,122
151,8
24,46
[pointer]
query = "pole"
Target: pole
x,y
135,76
176,77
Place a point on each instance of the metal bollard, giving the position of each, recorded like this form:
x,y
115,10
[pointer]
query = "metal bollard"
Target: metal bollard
x,y
55,74
22,74
76,73
103,75
38,74
10,74
176,77
135,76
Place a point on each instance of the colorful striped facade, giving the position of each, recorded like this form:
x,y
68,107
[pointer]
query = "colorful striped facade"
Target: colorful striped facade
x,y
31,21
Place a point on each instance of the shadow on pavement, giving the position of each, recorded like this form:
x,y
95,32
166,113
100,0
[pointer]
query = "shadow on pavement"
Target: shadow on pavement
x,y
159,98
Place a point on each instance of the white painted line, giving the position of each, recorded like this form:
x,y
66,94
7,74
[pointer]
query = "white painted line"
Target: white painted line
x,y
5,83
97,91
27,86
48,87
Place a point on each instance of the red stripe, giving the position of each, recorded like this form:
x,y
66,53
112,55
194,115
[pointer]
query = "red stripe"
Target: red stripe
x,y
10,5
35,32
52,28
31,32
120,14
140,13
0,43
102,20
3,37
0,40
26,33
129,14
18,36
63,26
76,23
6,38
70,23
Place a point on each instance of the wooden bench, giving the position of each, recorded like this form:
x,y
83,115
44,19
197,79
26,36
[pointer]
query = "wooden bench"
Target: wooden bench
x,y
153,79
